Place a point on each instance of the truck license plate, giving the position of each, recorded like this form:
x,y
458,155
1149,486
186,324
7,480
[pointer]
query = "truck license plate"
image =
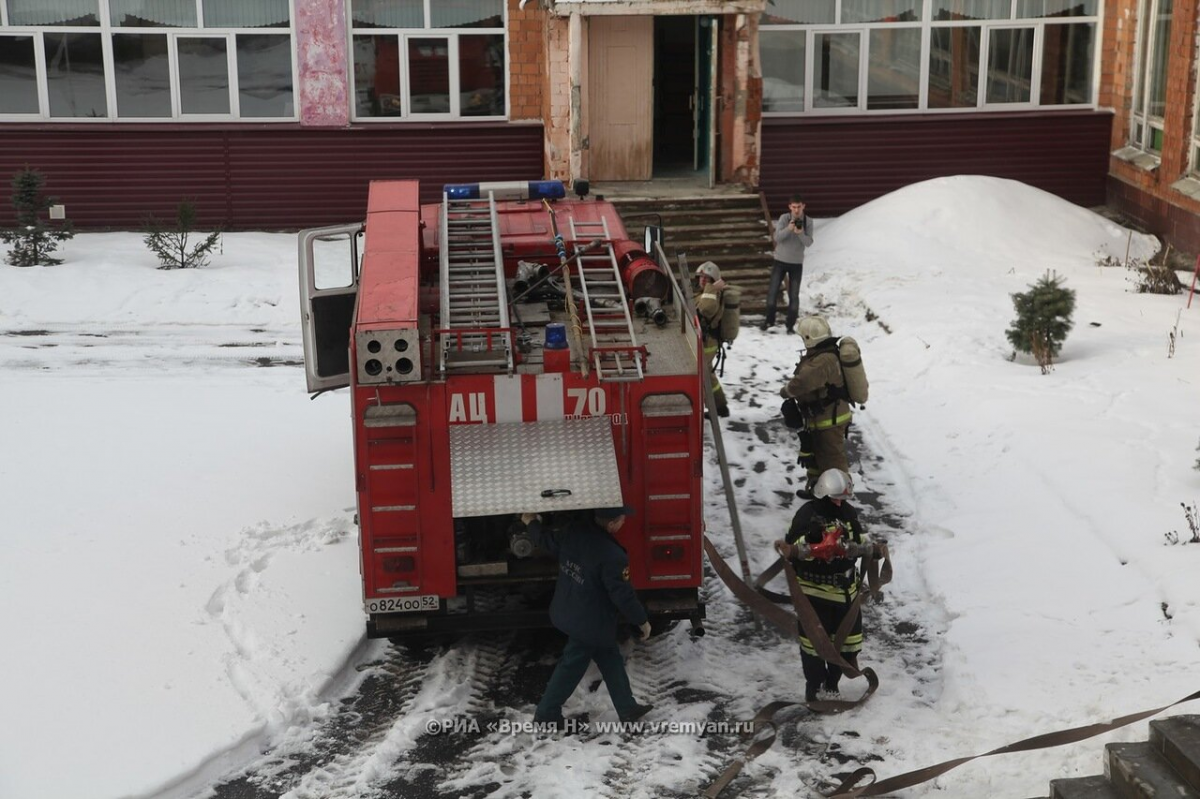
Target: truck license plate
x,y
402,604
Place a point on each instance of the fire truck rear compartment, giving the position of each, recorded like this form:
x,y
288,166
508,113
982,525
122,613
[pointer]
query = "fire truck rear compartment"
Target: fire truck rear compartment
x,y
500,589
464,421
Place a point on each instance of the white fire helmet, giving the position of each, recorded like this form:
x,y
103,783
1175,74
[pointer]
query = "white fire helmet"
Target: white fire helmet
x,y
710,270
835,484
813,330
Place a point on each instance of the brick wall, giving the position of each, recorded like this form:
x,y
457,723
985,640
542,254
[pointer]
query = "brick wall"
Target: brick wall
x,y
557,102
1176,223
527,60
1146,195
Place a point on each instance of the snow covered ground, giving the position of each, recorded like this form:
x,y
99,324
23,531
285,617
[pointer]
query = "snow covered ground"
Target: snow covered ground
x,y
179,586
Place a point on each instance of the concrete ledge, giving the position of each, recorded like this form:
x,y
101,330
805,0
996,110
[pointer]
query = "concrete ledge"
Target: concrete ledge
x,y
1189,187
1139,158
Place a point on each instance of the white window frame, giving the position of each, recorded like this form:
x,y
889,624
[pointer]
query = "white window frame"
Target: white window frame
x,y
926,25
1194,149
106,30
985,51
810,52
1139,114
403,36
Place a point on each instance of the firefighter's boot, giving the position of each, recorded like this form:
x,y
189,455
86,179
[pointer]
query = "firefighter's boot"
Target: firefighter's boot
x,y
722,405
635,712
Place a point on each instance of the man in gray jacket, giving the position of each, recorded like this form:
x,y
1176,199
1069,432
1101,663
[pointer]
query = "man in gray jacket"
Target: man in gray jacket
x,y
793,233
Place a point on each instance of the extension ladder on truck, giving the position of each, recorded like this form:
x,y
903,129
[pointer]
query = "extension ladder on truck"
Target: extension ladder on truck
x,y
614,353
474,325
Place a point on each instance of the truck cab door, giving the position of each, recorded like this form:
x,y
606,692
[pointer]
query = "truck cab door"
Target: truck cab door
x,y
330,258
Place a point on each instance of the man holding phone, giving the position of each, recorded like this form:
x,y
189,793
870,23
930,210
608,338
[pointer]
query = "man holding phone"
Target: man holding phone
x,y
793,233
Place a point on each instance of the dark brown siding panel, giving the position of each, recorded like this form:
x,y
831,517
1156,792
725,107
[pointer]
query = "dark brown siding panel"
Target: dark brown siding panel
x,y
258,178
840,163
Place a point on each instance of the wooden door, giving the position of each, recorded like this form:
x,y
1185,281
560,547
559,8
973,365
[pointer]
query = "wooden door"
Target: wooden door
x,y
621,96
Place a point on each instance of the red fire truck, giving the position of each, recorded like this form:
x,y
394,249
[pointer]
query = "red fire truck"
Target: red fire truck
x,y
507,350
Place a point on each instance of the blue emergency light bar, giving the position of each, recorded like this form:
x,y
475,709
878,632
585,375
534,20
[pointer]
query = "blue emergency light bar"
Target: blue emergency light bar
x,y
507,190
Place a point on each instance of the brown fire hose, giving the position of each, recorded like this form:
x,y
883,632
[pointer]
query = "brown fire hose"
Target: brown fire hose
x,y
877,576
847,789
804,618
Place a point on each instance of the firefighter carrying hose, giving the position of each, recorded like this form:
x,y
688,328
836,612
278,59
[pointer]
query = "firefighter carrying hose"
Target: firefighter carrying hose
x,y
824,543
710,306
818,387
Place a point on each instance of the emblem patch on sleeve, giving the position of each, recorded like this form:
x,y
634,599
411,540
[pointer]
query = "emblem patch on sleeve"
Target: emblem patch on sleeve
x,y
625,574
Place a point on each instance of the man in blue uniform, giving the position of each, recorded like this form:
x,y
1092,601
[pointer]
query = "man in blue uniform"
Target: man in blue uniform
x,y
591,594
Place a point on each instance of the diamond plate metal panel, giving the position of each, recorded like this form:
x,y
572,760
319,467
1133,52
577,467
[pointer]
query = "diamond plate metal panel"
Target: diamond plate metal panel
x,y
533,467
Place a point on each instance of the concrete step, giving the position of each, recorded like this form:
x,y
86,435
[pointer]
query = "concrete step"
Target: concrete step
x,y
715,204
723,242
1082,788
1137,771
1178,740
732,231
753,220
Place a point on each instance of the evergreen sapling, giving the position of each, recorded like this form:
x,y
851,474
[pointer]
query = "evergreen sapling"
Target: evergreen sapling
x,y
33,238
1043,319
170,244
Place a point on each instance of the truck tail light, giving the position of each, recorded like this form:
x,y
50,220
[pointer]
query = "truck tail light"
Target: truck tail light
x,y
667,552
400,564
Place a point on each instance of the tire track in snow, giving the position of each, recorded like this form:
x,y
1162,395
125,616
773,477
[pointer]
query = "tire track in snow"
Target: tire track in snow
x,y
315,760
152,347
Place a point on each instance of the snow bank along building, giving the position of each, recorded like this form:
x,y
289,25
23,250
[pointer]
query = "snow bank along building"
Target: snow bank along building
x,y
276,113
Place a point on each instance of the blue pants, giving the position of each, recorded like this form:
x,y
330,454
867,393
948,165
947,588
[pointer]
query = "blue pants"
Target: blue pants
x,y
794,273
570,670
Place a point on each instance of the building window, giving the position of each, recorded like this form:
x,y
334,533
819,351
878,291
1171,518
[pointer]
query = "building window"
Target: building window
x,y
1010,65
147,59
1150,85
947,55
18,75
1068,52
835,70
954,67
428,59
1194,142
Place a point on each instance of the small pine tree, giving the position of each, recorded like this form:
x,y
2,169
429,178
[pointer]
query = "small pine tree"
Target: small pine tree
x,y
170,244
33,238
1043,319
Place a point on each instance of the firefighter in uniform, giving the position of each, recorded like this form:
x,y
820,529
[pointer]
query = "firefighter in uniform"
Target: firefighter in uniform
x,y
828,576
819,388
591,594
710,306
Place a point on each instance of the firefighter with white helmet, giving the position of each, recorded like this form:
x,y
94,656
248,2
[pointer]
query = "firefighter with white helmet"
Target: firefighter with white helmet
x,y
818,387
813,330
824,543
710,306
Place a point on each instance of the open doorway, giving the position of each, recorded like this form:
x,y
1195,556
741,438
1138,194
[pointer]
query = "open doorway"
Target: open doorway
x,y
683,90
